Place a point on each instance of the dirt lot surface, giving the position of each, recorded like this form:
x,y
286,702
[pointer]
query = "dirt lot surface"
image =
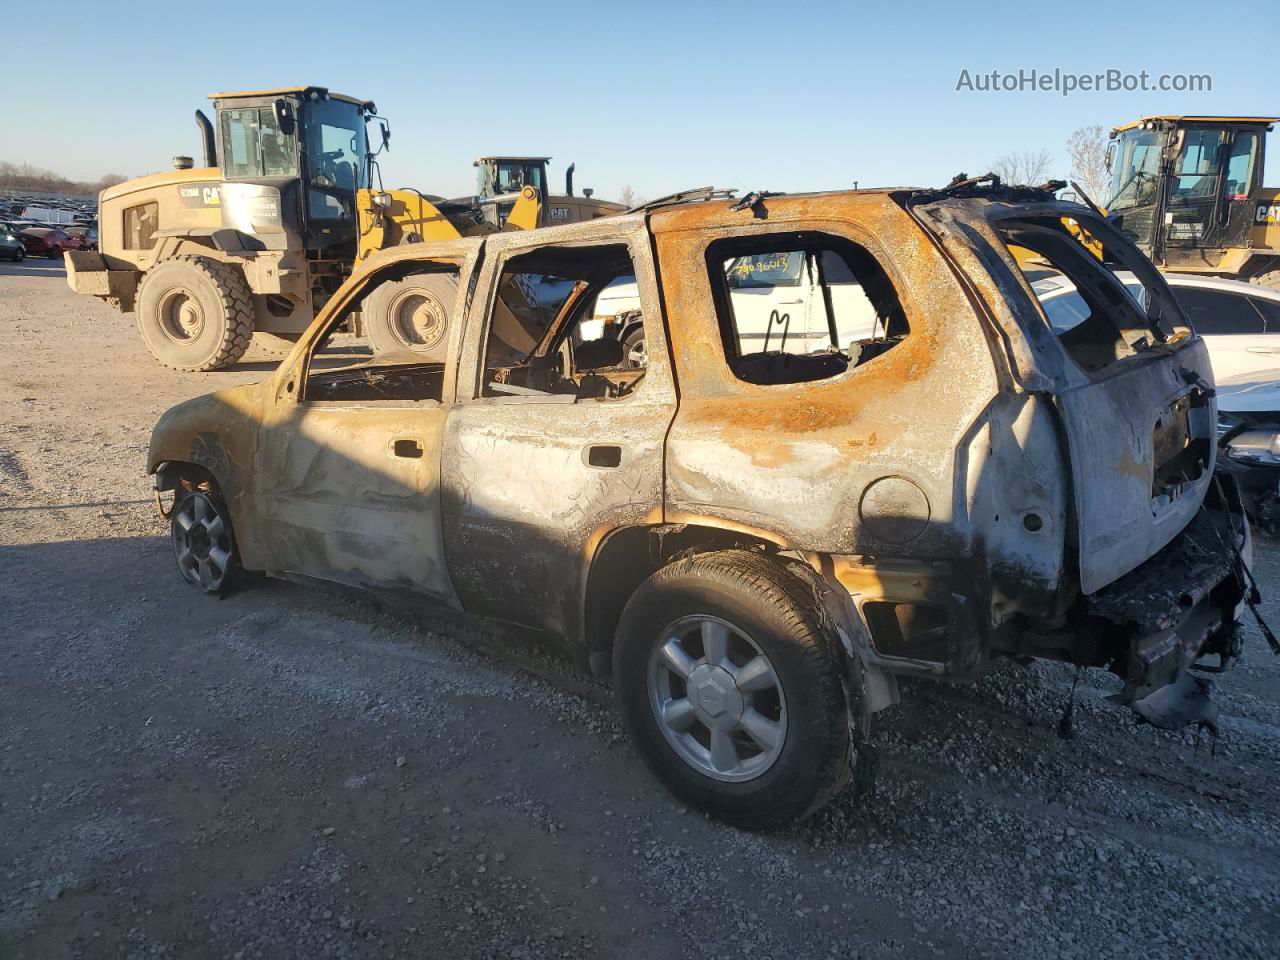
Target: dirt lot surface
x,y
287,773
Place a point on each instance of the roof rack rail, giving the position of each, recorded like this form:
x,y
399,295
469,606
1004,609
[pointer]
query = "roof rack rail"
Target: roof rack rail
x,y
686,196
990,186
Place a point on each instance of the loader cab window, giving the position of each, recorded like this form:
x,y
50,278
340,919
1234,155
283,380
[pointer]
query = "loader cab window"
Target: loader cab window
x,y
1241,160
548,341
797,307
253,147
1198,164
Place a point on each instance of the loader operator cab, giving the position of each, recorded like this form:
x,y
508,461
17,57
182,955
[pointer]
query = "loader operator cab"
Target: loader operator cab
x,y
504,177
308,143
1184,185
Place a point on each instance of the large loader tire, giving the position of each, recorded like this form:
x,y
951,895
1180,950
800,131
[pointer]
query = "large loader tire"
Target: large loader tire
x,y
195,313
274,345
412,314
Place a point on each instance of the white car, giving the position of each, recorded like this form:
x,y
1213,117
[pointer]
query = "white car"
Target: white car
x,y
1240,323
778,302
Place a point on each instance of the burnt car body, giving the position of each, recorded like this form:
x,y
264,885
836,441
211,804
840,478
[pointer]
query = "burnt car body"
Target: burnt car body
x,y
959,486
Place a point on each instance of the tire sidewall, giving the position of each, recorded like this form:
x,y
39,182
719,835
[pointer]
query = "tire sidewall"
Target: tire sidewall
x,y
787,788
378,324
166,278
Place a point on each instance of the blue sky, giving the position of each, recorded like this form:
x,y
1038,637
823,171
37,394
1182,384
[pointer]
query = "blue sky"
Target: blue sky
x,y
659,96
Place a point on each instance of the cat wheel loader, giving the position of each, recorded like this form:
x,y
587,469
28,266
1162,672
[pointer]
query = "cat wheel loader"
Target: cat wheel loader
x,y
1188,191
250,244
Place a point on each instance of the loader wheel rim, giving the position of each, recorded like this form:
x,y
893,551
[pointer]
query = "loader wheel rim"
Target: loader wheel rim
x,y
181,316
418,320
717,699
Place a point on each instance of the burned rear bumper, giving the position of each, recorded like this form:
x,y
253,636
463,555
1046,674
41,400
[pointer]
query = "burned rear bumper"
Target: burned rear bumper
x,y
1178,608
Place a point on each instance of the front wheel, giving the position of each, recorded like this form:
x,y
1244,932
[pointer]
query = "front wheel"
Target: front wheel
x,y
731,689
20,254
203,545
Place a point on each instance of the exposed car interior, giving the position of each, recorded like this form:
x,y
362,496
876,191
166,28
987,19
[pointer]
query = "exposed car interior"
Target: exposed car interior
x,y
541,341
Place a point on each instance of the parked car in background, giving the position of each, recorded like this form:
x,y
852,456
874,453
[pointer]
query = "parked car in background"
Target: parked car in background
x,y
11,245
1240,324
87,235
49,242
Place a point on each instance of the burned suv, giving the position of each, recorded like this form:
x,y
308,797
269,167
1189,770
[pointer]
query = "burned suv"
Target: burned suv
x,y
903,469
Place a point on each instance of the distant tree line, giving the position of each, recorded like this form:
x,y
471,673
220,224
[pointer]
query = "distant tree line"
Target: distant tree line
x,y
23,177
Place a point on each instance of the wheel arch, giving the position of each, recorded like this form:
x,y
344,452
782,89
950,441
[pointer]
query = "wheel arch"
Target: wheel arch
x,y
627,556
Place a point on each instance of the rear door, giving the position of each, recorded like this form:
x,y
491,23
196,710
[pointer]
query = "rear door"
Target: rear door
x,y
1134,392
546,453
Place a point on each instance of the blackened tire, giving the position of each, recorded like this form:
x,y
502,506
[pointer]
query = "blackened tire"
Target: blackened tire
x,y
413,314
195,313
20,254
757,599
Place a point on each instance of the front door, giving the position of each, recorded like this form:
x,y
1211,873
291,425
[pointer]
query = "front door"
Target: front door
x,y
348,478
551,447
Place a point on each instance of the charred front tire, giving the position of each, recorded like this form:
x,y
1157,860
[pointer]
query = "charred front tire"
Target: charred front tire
x,y
412,314
731,689
203,544
195,313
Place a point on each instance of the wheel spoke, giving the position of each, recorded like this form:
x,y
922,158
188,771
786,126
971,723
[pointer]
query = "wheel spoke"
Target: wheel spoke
x,y
200,507
216,528
220,559
679,715
724,756
184,519
765,732
185,560
757,675
715,641
206,574
676,660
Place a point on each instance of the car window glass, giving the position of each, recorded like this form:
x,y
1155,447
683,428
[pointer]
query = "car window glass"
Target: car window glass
x,y
565,323
1218,312
797,307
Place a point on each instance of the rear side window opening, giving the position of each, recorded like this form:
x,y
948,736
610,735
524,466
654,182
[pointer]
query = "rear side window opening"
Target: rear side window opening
x,y
798,307
1092,295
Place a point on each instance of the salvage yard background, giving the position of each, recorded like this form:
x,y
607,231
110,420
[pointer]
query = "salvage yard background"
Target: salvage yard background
x,y
287,773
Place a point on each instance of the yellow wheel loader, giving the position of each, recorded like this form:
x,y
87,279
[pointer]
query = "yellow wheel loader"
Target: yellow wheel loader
x,y
247,246
1188,190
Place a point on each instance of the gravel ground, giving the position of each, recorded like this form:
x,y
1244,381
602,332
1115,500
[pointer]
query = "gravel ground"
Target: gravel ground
x,y
290,773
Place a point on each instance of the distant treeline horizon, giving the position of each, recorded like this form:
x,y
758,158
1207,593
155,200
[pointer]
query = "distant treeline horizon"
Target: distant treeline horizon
x,y
24,177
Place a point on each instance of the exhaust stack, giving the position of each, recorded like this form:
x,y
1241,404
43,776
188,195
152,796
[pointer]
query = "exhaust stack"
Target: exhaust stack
x,y
206,136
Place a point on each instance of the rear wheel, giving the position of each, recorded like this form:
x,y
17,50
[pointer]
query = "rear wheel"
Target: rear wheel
x,y
195,313
412,314
634,353
54,253
203,545
20,254
731,690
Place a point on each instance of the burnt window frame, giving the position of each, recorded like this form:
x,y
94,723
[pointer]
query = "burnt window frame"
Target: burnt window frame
x,y
817,241
551,340
343,304
1163,320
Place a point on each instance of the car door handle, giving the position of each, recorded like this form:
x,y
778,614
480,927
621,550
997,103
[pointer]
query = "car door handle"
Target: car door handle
x,y
603,455
406,447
